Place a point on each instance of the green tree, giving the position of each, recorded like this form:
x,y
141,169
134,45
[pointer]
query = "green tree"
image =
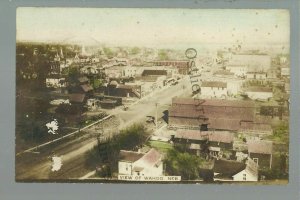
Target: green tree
x,y
163,55
97,83
108,52
127,139
182,164
135,51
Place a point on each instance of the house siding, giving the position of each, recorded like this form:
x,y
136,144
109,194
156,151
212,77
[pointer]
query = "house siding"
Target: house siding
x,y
240,176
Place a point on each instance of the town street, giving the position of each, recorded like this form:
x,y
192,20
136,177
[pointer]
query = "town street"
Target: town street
x,y
37,166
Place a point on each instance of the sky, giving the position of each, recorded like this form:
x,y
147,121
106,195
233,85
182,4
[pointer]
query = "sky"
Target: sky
x,y
154,27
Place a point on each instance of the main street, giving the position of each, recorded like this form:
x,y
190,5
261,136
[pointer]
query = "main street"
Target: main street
x,y
37,166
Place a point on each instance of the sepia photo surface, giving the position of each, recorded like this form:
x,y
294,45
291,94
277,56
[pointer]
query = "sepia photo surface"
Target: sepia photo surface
x,y
121,95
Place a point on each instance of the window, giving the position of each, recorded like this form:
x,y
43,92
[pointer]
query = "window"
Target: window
x,y
244,177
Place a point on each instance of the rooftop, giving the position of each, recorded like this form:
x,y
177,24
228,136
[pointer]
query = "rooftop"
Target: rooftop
x,y
77,98
217,84
151,158
260,146
220,136
228,167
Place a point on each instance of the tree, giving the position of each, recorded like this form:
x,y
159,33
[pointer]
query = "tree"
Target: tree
x,y
108,52
97,83
127,139
182,164
163,55
135,51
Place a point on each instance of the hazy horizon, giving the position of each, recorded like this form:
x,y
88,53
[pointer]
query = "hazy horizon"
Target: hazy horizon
x,y
154,27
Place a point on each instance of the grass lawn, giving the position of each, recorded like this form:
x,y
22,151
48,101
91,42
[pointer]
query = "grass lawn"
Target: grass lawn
x,y
163,147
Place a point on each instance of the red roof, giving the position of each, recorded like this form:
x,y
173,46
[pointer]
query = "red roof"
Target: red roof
x,y
151,158
220,136
212,112
181,121
184,111
260,146
224,123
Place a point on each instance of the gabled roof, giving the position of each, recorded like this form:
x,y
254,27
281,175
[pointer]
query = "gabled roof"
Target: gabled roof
x,y
228,168
260,146
151,158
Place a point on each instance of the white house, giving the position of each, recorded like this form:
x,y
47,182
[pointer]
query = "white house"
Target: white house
x,y
259,93
55,82
238,69
140,164
249,173
129,71
214,89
